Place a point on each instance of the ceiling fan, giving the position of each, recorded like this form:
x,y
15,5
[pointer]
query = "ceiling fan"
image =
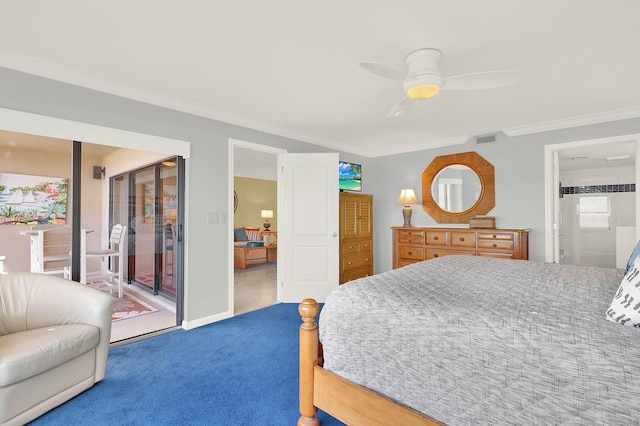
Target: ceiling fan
x,y
423,79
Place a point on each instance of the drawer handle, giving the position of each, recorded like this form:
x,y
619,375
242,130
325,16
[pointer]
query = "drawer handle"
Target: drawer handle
x,y
366,259
495,236
461,238
350,247
348,263
495,245
410,253
435,238
435,255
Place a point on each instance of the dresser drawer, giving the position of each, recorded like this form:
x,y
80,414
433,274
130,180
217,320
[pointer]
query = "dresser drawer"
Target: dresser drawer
x,y
496,244
433,253
503,255
463,239
412,253
437,238
364,246
354,275
350,248
405,262
502,236
356,261
353,247
410,237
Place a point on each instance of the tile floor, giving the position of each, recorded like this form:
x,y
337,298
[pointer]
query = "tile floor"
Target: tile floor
x,y
164,318
254,289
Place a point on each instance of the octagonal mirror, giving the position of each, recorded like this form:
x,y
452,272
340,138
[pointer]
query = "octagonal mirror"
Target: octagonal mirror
x,y
456,187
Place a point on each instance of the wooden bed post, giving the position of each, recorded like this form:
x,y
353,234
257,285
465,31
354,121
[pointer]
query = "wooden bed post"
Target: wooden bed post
x,y
308,310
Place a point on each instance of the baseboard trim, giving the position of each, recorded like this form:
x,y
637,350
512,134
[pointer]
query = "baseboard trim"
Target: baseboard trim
x,y
189,325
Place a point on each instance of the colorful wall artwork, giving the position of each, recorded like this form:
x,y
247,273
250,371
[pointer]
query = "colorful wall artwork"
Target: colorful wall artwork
x,y
32,200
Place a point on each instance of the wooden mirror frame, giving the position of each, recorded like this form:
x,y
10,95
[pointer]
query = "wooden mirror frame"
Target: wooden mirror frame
x,y
480,166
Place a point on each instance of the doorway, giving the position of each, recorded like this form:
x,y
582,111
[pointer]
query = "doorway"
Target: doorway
x,y
253,288
592,204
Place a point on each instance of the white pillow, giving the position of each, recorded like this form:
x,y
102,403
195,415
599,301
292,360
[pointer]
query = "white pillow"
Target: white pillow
x,y
253,235
625,306
634,255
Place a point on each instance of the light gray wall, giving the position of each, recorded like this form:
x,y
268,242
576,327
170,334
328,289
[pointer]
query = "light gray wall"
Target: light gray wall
x,y
208,173
518,161
519,180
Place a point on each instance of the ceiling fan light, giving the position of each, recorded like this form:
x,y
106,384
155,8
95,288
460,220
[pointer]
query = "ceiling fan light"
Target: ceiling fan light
x,y
423,90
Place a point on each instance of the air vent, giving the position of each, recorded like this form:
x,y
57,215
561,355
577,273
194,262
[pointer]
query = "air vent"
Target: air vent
x,y
485,139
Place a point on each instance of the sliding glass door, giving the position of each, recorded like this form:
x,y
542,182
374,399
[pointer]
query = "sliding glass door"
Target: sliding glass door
x,y
143,224
168,209
149,201
119,208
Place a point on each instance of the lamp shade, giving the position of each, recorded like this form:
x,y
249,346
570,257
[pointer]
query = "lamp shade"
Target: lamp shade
x,y
266,214
407,197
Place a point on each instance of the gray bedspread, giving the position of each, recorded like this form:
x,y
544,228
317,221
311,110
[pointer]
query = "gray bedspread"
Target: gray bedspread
x,y
481,341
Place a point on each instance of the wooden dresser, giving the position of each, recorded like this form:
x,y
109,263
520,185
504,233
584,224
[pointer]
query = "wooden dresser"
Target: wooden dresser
x,y
356,236
414,244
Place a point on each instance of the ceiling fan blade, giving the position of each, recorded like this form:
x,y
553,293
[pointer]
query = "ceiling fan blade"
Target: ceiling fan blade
x,y
399,108
383,70
481,80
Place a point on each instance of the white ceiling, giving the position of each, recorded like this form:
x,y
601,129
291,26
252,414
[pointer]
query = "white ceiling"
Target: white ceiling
x,y
289,67
595,156
11,141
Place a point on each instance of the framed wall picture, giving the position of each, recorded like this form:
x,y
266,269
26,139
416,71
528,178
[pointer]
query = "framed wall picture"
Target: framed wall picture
x,y
32,200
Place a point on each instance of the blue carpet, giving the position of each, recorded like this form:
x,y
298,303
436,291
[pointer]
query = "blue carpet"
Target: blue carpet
x,y
239,371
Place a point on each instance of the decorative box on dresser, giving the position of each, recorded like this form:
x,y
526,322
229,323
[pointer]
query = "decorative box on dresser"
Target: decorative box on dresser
x,y
414,244
356,236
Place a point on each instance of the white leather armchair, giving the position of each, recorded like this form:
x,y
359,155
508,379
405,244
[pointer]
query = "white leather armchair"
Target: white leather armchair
x,y
54,342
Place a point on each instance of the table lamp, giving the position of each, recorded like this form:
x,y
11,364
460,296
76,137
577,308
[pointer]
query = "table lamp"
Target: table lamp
x,y
407,197
266,215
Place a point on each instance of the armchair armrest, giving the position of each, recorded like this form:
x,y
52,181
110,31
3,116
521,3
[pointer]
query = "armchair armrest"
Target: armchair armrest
x,y
31,301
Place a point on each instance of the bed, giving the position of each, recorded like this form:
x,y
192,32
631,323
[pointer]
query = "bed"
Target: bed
x,y
463,340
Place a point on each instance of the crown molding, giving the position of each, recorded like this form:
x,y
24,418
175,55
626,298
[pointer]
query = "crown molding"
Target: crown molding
x,y
583,120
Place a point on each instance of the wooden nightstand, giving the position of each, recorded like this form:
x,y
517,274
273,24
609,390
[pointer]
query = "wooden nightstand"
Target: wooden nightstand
x,y
272,253
272,237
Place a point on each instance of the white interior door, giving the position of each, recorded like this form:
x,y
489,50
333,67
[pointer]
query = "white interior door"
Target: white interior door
x,y
308,226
